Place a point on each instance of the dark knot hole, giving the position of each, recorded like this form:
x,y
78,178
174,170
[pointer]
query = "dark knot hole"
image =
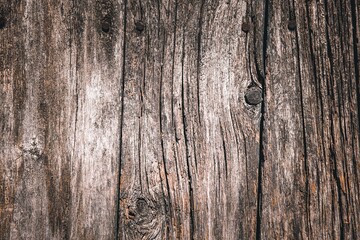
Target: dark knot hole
x,y
141,206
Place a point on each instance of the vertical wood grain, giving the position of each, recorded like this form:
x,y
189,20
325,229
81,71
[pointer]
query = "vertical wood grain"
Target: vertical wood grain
x,y
60,144
189,140
173,119
311,166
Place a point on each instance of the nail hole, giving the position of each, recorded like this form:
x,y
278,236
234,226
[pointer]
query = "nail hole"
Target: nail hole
x,y
292,14
105,26
139,26
245,27
292,24
253,95
2,22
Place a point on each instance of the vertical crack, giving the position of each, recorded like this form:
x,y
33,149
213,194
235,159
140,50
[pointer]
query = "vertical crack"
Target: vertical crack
x,y
74,74
173,70
306,165
357,83
224,149
262,122
168,203
122,83
333,157
199,57
356,58
192,222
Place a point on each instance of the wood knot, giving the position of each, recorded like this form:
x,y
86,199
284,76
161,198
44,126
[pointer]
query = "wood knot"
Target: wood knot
x,y
141,206
139,209
139,26
144,216
34,149
253,95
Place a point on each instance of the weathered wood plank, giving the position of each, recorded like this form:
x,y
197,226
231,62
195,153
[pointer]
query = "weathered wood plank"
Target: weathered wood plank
x,y
12,99
283,167
174,119
228,168
37,89
141,187
59,166
97,47
190,142
310,178
328,67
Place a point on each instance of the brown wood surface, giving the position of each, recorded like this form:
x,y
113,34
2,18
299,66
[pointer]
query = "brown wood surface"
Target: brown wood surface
x,y
155,119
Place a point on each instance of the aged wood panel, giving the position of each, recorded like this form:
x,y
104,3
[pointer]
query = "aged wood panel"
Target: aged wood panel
x,y
283,166
311,121
60,122
97,69
189,141
222,119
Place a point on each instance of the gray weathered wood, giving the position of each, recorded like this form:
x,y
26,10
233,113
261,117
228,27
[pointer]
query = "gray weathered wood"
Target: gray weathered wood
x,y
60,116
222,119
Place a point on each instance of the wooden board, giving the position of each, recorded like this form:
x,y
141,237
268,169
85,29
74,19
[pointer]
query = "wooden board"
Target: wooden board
x,y
229,119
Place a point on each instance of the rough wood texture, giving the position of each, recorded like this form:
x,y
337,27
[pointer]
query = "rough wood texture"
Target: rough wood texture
x,y
221,119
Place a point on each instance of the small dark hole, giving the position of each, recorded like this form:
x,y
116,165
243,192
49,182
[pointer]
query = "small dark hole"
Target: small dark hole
x,y
2,22
43,107
245,27
105,27
139,26
292,25
292,15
